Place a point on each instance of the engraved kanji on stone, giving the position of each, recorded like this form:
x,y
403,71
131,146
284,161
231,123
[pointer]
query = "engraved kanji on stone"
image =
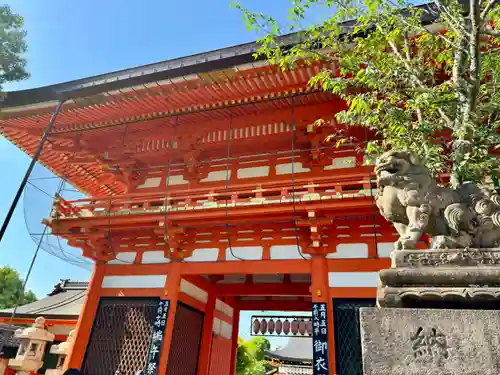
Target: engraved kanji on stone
x,y
429,343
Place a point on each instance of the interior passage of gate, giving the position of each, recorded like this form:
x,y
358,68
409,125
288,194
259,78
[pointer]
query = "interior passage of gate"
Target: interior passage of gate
x,y
208,184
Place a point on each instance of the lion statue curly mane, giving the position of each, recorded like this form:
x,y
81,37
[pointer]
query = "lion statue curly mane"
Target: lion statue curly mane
x,y
410,198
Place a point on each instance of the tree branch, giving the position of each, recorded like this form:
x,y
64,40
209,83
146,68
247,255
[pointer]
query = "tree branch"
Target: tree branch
x,y
475,58
487,9
456,24
415,76
491,33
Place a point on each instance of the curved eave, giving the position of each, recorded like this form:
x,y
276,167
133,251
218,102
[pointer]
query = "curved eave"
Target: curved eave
x,y
204,62
292,360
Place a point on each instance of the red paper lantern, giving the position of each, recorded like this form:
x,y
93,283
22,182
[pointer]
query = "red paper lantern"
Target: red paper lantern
x,y
270,326
279,327
263,326
256,326
302,327
286,327
309,327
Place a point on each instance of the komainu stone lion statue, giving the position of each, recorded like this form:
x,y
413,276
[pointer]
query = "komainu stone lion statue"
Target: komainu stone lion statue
x,y
410,198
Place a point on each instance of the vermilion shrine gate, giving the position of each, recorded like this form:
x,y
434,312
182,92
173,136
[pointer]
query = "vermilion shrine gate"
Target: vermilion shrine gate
x,y
210,190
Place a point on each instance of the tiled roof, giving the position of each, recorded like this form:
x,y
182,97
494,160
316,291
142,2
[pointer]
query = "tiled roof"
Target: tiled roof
x,y
8,343
297,349
65,302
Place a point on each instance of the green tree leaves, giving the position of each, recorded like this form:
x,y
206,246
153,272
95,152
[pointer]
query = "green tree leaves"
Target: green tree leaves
x,y
431,89
11,287
12,46
249,360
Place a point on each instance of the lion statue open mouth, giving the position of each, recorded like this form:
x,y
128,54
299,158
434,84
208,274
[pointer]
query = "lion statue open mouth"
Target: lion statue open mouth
x,y
409,197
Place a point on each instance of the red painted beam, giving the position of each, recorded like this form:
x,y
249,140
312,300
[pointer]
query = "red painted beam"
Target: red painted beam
x,y
340,205
263,290
48,322
270,305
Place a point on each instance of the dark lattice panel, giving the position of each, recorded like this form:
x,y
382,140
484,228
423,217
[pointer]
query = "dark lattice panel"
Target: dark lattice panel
x,y
348,357
185,347
121,336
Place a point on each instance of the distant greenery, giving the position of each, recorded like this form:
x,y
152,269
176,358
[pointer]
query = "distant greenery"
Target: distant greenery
x,y
12,47
11,286
249,360
433,91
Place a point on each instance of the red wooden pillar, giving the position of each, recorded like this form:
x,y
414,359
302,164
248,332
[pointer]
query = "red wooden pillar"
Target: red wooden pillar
x,y
86,318
172,289
206,336
234,339
320,290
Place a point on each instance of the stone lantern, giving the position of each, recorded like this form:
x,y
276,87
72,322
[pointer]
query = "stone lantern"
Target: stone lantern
x,y
61,350
32,347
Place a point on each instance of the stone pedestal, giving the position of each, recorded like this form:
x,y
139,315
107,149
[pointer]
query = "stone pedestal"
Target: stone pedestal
x,y
438,314
406,341
456,278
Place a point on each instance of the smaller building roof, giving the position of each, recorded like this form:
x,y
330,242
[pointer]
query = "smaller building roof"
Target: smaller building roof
x,y
297,350
64,302
8,342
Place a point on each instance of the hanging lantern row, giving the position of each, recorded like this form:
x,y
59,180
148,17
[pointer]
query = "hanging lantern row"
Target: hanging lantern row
x,y
299,326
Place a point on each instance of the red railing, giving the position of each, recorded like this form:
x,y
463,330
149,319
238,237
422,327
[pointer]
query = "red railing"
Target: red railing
x,y
276,192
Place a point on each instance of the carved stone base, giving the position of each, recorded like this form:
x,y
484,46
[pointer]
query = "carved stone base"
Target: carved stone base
x,y
457,278
430,341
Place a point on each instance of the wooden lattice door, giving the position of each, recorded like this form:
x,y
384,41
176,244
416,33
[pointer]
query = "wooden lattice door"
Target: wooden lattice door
x,y
121,335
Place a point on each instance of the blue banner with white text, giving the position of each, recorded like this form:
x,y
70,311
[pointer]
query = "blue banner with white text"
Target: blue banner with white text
x,y
320,338
159,325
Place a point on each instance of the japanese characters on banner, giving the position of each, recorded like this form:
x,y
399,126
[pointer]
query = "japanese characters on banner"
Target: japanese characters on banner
x,y
320,339
157,340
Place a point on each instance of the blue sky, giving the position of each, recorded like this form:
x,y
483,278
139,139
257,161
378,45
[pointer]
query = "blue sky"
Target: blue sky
x,y
75,39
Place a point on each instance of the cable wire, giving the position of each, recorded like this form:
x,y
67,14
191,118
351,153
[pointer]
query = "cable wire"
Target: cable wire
x,y
227,185
372,198
35,255
167,181
294,129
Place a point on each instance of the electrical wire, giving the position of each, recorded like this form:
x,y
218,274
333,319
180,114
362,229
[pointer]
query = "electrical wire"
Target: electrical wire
x,y
372,198
63,255
167,181
58,304
227,185
299,250
35,255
